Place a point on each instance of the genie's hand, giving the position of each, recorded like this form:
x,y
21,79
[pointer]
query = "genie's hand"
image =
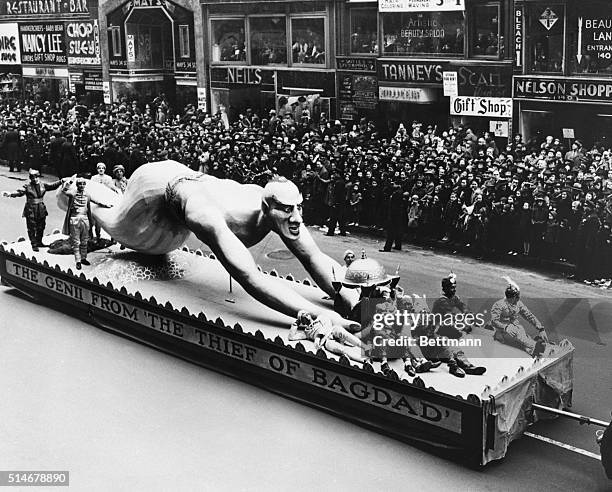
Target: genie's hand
x,y
349,325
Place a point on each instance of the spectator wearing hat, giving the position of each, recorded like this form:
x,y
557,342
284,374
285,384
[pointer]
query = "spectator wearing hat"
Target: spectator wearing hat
x,y
539,221
336,201
396,219
12,148
34,211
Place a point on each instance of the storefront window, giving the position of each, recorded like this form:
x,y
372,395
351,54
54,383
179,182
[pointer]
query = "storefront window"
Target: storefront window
x,y
268,40
486,34
545,38
116,40
364,31
591,47
423,33
227,43
308,40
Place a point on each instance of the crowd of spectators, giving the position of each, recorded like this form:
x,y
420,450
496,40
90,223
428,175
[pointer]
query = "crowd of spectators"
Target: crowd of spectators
x,y
535,198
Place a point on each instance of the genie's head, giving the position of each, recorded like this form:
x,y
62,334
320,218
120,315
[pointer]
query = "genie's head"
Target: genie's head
x,y
282,205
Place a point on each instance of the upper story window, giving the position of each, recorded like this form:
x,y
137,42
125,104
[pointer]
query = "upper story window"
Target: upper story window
x,y
423,33
544,47
228,40
590,41
308,40
268,37
486,39
364,31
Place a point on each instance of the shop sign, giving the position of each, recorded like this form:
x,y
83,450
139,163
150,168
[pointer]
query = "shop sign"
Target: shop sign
x,y
185,66
518,37
594,43
145,4
202,98
492,107
93,81
83,40
131,48
356,64
568,133
407,94
548,18
410,71
420,5
45,72
241,75
484,81
450,83
576,90
106,89
499,128
9,44
43,43
74,79
39,9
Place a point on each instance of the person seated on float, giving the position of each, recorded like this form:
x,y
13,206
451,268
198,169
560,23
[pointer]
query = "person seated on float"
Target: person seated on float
x,y
324,334
414,361
505,315
450,304
458,364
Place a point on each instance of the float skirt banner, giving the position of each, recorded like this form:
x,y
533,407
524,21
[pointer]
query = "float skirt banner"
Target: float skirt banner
x,y
420,5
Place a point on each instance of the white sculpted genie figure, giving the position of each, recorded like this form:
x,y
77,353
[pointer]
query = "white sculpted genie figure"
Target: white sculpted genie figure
x,y
166,201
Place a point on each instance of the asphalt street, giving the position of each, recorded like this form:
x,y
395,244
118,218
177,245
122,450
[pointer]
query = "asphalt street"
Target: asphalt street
x,y
119,414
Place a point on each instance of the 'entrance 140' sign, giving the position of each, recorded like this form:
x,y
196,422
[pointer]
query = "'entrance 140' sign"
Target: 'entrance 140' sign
x,y
420,5
494,107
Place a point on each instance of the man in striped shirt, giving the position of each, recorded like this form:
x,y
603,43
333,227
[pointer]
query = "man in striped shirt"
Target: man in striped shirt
x,y
78,221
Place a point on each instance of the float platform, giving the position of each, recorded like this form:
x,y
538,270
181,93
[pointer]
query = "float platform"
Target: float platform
x,y
181,304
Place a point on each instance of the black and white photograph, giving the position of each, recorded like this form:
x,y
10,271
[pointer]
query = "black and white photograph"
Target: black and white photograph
x,y
306,245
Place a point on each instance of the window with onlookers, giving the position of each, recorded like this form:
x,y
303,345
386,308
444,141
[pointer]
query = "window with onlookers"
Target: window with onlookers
x,y
364,31
268,37
228,40
308,40
435,33
486,39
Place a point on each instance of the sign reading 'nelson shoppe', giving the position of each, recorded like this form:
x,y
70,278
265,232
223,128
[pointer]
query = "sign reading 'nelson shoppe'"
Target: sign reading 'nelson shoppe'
x,y
583,90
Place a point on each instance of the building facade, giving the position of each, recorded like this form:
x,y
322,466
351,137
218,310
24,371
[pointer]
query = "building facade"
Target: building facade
x,y
563,63
392,57
49,49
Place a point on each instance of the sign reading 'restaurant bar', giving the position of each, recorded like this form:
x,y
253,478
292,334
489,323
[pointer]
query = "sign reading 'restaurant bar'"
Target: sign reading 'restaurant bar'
x,y
420,5
200,335
493,107
577,90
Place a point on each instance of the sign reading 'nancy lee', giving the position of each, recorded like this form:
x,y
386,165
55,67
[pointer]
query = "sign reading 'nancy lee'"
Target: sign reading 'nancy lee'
x,y
298,370
42,44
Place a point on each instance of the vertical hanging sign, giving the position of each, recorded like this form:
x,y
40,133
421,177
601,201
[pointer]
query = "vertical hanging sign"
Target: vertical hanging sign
x,y
518,37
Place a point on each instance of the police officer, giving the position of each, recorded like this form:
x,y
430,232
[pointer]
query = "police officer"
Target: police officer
x,y
35,211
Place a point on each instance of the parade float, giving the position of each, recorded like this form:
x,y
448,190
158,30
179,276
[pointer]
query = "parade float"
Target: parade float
x,y
185,303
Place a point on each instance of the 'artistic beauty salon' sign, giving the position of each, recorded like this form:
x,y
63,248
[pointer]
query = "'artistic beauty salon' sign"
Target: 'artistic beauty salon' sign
x,y
42,44
420,5
9,44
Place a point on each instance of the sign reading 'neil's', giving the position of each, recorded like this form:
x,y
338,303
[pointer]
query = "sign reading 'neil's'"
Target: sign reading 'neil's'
x,y
496,107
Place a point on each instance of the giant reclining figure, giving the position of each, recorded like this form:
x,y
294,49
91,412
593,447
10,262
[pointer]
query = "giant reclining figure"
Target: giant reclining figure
x,y
166,201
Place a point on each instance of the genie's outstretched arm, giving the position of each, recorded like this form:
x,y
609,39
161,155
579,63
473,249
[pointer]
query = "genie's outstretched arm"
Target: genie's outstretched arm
x,y
210,227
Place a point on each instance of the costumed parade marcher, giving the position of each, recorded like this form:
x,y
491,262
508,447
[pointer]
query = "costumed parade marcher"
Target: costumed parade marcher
x,y
505,320
120,182
450,303
35,211
78,221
